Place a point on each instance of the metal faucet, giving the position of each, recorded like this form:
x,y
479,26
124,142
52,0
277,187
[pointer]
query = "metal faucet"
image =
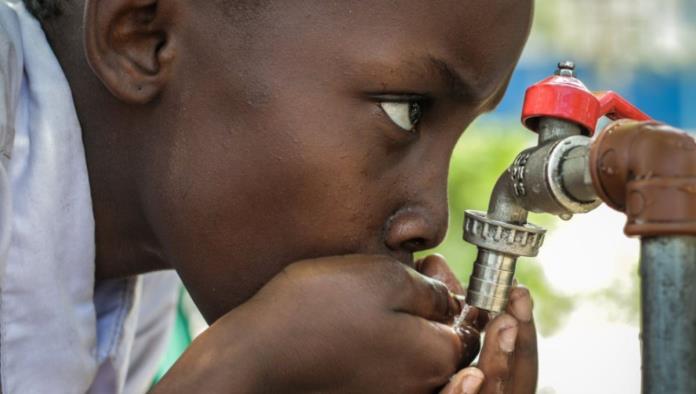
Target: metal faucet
x,y
552,177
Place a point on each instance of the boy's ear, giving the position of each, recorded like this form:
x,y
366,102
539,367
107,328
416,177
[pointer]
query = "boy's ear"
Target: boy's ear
x,y
129,47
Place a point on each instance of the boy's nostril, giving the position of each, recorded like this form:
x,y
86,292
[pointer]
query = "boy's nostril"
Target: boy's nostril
x,y
415,244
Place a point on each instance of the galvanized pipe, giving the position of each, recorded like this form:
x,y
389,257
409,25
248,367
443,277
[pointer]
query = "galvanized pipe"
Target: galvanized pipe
x,y
668,322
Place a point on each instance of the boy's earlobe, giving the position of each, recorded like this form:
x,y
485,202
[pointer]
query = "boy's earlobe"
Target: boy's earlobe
x,y
129,47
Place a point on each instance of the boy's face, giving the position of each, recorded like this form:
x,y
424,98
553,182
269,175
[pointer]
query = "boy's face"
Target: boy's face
x,y
312,128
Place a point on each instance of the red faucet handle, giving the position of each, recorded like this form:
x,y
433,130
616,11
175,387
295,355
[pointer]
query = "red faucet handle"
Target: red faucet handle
x,y
615,107
563,96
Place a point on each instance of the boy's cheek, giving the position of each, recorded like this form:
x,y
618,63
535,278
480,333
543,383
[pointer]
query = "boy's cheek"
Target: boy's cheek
x,y
228,235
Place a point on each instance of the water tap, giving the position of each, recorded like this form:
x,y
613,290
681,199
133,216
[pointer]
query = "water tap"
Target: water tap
x,y
552,177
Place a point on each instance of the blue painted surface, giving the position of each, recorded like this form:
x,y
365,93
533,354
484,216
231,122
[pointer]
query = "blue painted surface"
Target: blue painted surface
x,y
669,96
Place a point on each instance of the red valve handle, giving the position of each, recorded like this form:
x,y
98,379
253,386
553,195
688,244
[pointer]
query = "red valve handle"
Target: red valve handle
x,y
566,97
616,107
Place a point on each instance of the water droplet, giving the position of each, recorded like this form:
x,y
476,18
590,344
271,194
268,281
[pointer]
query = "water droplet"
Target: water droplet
x,y
565,216
461,318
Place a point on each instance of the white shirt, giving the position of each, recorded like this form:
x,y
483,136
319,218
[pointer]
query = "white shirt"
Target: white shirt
x,y
60,332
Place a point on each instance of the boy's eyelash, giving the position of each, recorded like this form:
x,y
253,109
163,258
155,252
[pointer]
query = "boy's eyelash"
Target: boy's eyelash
x,y
422,99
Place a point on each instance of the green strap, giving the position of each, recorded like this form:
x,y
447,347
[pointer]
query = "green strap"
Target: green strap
x,y
179,340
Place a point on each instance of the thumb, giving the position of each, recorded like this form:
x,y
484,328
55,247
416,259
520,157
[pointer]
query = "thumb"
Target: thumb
x,y
466,381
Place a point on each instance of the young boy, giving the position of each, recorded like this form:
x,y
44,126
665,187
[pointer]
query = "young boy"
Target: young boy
x,y
243,143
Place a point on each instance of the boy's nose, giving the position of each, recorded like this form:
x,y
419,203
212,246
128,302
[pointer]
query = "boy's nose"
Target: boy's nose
x,y
414,229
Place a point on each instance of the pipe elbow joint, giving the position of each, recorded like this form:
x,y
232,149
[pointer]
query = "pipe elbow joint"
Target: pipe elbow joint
x,y
505,205
648,171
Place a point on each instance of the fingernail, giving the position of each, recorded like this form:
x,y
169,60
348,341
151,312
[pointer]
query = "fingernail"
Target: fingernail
x,y
522,307
507,338
471,384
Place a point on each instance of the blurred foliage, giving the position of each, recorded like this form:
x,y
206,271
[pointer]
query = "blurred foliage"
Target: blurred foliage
x,y
621,299
616,36
482,154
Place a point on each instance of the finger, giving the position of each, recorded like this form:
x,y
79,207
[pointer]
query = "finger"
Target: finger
x,y
466,381
434,347
526,365
497,354
435,266
425,297
440,349
470,343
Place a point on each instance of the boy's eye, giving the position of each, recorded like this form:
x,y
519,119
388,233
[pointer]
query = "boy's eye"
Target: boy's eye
x,y
406,115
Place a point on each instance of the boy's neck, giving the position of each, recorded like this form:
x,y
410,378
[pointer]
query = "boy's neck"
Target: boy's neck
x,y
125,245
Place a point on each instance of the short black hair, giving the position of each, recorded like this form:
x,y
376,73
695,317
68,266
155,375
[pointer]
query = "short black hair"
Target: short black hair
x,y
44,9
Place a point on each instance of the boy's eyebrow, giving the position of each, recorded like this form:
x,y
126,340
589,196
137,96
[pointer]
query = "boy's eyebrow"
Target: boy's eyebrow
x,y
460,86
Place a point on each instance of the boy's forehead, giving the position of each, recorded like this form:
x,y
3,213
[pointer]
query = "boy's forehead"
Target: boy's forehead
x,y
459,40
459,19
465,47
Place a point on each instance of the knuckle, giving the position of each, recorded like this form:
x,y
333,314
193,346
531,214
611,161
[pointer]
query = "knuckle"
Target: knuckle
x,y
499,372
500,383
503,321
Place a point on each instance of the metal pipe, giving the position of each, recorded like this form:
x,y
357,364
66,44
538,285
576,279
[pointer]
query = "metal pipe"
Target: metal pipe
x,y
575,171
553,129
668,322
492,278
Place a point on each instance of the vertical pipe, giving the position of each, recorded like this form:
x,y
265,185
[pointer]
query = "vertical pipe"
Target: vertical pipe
x,y
668,322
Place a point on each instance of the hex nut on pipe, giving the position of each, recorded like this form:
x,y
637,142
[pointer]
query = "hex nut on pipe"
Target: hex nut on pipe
x,y
507,238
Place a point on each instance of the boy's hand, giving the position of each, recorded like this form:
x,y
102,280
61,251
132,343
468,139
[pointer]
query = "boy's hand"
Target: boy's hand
x,y
508,362
339,324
